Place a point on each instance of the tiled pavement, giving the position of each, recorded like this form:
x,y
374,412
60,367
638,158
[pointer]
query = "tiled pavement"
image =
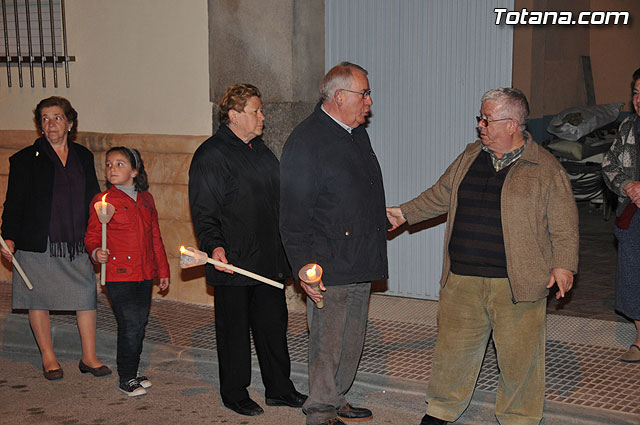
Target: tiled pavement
x,y
585,338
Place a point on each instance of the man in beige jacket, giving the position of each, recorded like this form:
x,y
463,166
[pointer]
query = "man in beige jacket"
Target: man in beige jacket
x,y
511,234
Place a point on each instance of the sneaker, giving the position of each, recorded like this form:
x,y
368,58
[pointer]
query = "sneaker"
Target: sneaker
x,y
132,388
144,381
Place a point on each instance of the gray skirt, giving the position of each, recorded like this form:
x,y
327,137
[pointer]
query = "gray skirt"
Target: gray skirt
x,y
58,284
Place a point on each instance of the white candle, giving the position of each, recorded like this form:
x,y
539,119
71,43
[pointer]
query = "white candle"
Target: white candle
x,y
103,266
16,265
235,269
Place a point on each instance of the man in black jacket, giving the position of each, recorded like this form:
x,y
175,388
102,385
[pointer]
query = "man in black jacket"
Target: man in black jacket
x,y
332,213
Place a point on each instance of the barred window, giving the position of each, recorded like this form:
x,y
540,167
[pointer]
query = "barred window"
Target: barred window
x,y
34,35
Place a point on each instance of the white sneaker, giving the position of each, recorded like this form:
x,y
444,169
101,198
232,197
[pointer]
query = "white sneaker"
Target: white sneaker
x,y
132,388
144,381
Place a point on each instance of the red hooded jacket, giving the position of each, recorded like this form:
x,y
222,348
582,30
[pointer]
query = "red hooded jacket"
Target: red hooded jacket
x,y
133,237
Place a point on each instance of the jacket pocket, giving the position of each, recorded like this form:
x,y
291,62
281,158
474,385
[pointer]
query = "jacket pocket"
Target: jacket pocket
x,y
122,216
124,266
350,244
349,230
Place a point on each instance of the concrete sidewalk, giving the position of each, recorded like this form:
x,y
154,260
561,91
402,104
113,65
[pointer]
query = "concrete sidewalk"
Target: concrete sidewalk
x,y
586,384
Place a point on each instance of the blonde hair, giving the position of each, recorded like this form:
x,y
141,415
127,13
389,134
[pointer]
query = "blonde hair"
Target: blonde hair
x,y
235,98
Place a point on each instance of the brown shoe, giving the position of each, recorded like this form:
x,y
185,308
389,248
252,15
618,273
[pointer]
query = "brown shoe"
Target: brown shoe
x,y
350,413
53,374
95,371
632,355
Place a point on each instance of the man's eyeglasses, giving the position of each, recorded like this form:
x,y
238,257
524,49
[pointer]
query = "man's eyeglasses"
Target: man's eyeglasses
x,y
484,122
364,93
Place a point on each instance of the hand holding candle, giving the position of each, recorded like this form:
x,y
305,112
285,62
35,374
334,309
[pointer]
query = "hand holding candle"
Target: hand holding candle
x,y
191,257
311,274
219,254
105,211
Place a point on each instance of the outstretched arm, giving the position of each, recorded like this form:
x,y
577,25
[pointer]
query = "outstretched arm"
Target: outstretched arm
x,y
395,217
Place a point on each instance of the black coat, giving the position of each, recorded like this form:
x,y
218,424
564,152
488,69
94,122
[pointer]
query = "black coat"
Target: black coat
x,y
27,206
234,199
332,202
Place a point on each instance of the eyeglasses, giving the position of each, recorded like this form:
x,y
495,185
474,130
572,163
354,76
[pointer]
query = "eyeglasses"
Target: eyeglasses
x,y
484,122
364,93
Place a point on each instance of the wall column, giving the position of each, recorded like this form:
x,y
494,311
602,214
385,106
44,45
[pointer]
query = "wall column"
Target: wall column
x,y
276,45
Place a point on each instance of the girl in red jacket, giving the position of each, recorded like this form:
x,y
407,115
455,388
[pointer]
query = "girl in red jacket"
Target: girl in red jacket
x,y
134,256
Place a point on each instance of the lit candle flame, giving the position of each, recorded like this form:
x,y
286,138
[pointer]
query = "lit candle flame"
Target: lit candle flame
x,y
182,249
311,273
103,206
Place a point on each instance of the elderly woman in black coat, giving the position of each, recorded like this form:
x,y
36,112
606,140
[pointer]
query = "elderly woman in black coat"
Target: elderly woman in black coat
x,y
234,184
45,215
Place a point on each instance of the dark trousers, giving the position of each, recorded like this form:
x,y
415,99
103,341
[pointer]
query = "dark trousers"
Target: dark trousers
x,y
130,302
263,309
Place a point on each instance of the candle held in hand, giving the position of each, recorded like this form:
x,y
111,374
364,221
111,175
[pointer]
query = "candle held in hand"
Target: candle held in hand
x,y
190,257
311,274
105,211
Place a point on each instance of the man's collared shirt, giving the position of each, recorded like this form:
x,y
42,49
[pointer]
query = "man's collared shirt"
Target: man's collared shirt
x,y
343,125
509,157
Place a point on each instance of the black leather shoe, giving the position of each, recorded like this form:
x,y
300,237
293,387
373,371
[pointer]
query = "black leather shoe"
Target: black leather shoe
x,y
350,413
293,399
97,371
53,374
246,407
430,420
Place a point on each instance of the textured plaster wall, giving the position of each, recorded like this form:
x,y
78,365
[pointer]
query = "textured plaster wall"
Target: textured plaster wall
x,y
614,53
276,45
546,59
141,67
140,79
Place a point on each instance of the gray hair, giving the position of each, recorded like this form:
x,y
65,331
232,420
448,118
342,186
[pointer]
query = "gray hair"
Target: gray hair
x,y
513,101
339,77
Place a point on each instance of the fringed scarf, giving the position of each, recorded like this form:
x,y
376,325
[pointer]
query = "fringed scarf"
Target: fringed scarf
x,y
67,225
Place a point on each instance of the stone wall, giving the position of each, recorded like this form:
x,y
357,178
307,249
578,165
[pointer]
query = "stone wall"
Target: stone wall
x,y
276,45
166,159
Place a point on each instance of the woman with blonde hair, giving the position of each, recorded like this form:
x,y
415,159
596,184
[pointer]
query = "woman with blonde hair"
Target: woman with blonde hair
x,y
234,193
